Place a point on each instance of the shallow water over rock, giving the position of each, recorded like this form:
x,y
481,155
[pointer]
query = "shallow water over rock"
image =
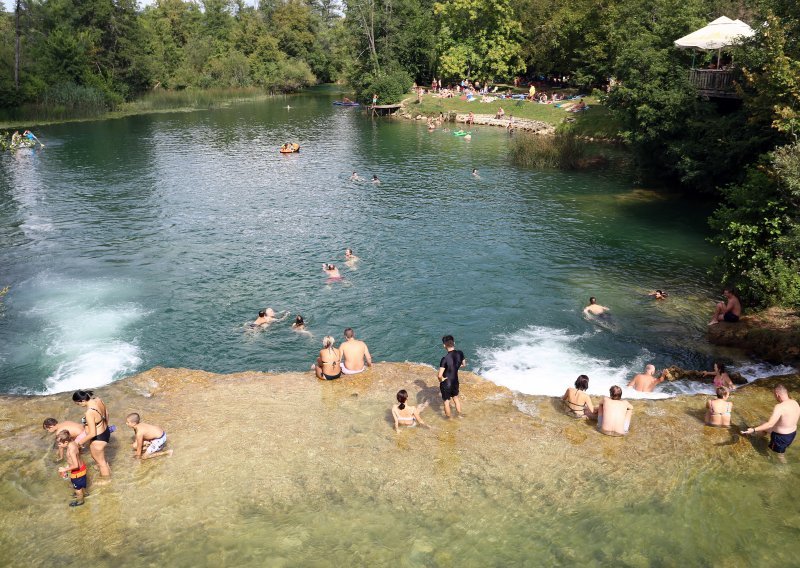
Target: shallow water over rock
x,y
282,470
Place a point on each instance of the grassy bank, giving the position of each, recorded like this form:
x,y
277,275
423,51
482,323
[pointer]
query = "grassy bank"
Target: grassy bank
x,y
29,116
596,122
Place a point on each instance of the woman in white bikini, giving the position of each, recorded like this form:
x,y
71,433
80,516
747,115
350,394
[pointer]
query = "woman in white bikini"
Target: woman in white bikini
x,y
405,415
718,410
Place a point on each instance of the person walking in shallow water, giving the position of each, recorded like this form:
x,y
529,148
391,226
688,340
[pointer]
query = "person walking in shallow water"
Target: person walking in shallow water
x,y
98,433
782,425
448,375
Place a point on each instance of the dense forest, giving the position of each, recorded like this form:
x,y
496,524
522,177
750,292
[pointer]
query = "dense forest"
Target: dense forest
x,y
98,53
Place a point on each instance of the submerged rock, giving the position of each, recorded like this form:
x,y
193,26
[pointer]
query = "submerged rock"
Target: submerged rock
x,y
675,373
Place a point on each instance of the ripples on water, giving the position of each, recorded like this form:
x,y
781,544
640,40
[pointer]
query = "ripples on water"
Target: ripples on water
x,y
152,240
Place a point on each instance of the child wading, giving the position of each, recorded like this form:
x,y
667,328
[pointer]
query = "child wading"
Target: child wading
x,y
149,437
76,469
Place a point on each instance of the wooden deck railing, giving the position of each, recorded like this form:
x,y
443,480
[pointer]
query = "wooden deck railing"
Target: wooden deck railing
x,y
714,82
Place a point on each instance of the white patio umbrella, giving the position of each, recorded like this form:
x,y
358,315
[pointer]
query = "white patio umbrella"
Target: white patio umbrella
x,y
722,32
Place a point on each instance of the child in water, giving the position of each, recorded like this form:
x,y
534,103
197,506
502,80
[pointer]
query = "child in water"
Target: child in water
x,y
149,438
76,469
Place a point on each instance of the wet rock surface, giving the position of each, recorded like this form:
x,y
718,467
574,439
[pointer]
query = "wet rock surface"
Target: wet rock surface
x,y
772,335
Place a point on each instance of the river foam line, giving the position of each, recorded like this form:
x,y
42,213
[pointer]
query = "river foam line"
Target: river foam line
x,y
545,361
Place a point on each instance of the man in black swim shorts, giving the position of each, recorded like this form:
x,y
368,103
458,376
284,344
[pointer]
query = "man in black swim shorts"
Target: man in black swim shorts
x,y
448,374
782,425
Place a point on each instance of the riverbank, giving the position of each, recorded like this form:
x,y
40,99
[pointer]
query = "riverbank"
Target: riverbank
x,y
772,335
596,122
188,100
285,470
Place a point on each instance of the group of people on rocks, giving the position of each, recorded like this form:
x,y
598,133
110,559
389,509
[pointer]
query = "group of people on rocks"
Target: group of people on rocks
x,y
613,414
95,431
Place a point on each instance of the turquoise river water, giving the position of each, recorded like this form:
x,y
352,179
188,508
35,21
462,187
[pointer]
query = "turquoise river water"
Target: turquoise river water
x,y
153,240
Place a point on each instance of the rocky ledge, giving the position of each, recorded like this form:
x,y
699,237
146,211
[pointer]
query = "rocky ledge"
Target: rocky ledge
x,y
772,335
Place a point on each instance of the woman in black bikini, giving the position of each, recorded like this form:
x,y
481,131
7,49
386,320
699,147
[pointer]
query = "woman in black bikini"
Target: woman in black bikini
x,y
578,403
97,431
327,366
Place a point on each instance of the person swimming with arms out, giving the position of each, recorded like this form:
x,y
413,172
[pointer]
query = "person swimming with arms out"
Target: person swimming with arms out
x,y
658,295
267,317
331,271
404,415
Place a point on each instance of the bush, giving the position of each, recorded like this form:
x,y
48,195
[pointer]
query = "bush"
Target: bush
x,y
392,86
758,228
288,76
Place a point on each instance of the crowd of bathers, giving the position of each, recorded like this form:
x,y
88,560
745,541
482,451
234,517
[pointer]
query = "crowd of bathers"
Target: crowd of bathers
x,y
613,414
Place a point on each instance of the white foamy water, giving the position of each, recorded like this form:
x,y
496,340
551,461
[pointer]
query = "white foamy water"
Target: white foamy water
x,y
545,361
84,335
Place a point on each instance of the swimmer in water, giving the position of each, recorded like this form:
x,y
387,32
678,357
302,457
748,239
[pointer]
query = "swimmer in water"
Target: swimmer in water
x,y
595,309
475,173
331,271
267,317
349,258
658,295
299,325
375,180
407,415
355,177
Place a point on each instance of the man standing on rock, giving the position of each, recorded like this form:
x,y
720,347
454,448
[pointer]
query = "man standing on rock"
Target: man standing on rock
x,y
646,382
448,374
729,311
782,425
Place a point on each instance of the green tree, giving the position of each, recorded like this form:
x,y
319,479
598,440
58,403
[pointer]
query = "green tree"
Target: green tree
x,y
479,38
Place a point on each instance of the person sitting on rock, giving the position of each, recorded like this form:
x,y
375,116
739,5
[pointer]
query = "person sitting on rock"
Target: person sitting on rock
x,y
721,377
718,410
729,311
646,382
614,414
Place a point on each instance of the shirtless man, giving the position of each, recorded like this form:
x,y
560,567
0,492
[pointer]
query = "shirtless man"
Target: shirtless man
x,y
350,259
354,352
355,177
646,382
782,425
729,311
267,317
594,309
614,414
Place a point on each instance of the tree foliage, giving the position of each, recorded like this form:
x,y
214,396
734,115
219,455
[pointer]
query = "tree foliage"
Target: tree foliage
x,y
479,38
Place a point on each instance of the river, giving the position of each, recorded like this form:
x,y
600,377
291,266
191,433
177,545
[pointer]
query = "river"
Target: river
x,y
153,240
